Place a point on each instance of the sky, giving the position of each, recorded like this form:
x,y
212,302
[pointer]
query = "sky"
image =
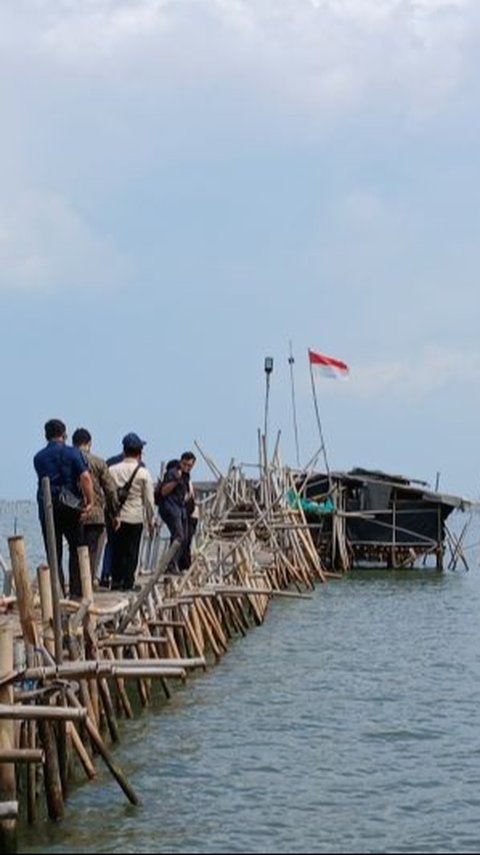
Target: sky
x,y
186,186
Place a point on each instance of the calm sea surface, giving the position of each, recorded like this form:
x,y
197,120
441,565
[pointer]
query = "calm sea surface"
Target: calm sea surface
x,y
346,723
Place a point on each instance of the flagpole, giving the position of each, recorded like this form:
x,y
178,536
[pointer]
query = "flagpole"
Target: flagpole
x,y
291,362
317,413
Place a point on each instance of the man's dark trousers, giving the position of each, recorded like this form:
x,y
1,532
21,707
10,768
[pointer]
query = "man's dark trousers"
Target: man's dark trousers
x,y
125,549
68,525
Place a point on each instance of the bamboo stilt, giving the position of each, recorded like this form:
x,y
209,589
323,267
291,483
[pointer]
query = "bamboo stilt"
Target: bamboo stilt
x,y
102,750
8,789
81,751
45,589
51,770
106,699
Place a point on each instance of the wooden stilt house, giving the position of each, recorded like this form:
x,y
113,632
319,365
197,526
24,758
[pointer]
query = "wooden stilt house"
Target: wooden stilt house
x,y
372,518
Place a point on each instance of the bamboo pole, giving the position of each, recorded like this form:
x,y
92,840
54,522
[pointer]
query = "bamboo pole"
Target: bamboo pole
x,y
172,648
237,625
63,747
205,620
22,755
208,607
106,699
46,604
68,671
235,603
196,639
53,564
141,685
120,685
51,768
223,616
8,823
90,628
23,587
117,773
132,641
180,632
82,752
28,712
28,741
122,701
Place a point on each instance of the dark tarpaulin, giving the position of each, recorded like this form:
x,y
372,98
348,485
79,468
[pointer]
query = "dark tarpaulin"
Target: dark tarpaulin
x,y
413,525
376,496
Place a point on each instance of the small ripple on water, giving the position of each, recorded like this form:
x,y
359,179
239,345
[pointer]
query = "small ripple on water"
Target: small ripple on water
x,y
402,735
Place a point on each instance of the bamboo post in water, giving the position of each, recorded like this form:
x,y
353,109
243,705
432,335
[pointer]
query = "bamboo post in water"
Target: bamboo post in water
x,y
104,693
51,770
31,752
193,630
45,588
53,564
8,826
102,750
91,626
122,697
205,622
82,752
23,588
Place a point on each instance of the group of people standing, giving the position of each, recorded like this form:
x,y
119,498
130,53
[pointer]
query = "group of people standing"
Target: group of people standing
x,y
93,498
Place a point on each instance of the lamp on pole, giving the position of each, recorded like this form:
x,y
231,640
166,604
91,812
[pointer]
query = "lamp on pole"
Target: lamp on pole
x,y
268,367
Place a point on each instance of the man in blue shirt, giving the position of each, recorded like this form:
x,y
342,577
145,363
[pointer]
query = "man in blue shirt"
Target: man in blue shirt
x,y
66,467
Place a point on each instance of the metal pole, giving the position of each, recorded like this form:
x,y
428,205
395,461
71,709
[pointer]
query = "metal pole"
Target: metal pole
x,y
317,414
291,363
267,399
268,370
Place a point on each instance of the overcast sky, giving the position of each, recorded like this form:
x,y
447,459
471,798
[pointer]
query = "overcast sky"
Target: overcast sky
x,y
186,185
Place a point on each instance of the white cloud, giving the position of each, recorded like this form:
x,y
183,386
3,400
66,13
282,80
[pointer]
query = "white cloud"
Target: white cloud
x,y
45,245
416,375
318,53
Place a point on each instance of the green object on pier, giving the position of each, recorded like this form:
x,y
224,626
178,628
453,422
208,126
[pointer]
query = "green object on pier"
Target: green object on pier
x,y
308,505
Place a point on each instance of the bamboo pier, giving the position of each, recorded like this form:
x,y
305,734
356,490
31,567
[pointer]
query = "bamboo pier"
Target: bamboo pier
x,y
71,670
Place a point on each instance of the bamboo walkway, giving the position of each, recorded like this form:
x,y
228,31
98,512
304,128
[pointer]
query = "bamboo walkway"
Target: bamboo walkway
x,y
70,670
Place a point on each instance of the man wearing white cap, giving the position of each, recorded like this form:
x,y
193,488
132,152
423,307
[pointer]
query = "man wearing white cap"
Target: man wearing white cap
x,y
135,489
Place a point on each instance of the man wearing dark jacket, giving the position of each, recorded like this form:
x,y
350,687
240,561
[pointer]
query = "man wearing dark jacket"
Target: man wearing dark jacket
x,y
172,497
66,468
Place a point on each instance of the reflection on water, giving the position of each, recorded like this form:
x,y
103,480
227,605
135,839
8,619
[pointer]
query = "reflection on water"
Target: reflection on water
x,y
346,723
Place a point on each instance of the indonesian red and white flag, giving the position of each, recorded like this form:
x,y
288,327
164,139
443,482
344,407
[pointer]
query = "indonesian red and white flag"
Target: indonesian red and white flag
x,y
327,366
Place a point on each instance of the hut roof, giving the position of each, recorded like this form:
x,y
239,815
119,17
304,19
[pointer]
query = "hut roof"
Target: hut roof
x,y
401,482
